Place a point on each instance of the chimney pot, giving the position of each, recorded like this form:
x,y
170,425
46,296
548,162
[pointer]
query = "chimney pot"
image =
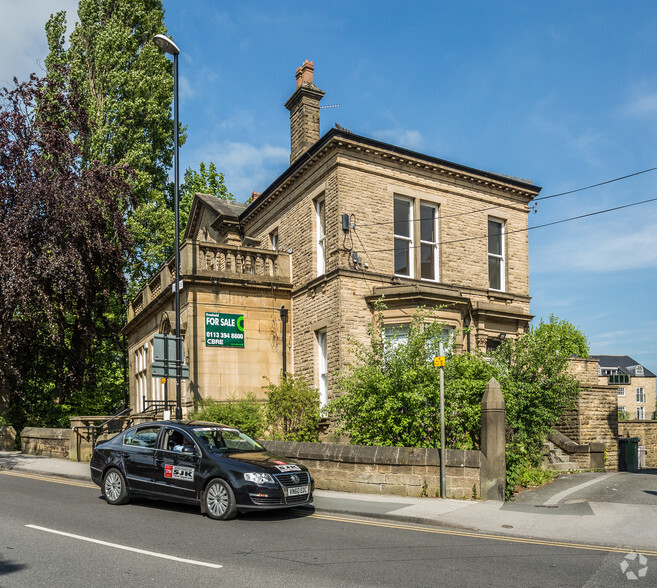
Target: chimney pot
x,y
307,70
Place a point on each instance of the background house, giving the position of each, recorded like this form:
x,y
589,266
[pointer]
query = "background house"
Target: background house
x,y
350,221
635,385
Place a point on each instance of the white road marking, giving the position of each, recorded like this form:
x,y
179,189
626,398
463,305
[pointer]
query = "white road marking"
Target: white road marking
x,y
126,548
561,495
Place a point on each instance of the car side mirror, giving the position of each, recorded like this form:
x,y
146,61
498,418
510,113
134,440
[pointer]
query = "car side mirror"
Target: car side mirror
x,y
189,449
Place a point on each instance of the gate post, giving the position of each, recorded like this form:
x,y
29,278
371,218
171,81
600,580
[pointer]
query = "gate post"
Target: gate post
x,y
492,479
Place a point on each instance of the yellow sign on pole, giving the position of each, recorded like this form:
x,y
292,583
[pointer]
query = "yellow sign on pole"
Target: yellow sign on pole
x,y
439,361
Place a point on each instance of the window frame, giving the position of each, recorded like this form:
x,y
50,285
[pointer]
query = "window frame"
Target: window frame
x,y
620,391
640,395
320,228
500,258
640,413
408,239
321,338
433,244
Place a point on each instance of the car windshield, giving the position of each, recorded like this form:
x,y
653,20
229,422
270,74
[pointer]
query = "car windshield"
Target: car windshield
x,y
221,440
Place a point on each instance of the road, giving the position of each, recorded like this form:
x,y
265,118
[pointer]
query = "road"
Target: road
x,y
62,533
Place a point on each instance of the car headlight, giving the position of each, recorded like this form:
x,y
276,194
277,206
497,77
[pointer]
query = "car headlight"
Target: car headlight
x,y
258,478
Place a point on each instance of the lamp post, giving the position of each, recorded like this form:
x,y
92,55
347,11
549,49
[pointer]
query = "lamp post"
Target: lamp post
x,y
168,46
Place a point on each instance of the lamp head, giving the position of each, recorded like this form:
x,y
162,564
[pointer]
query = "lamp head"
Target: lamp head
x,y
166,44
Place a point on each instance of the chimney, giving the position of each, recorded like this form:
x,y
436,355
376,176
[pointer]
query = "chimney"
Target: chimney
x,y
304,112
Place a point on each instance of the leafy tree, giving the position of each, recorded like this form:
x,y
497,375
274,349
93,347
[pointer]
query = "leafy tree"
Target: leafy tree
x,y
244,413
537,387
292,409
390,395
127,88
64,245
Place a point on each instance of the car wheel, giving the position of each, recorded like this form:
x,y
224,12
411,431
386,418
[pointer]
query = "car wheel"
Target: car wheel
x,y
219,500
114,487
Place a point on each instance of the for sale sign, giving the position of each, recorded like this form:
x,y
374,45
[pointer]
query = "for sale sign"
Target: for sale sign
x,y
224,330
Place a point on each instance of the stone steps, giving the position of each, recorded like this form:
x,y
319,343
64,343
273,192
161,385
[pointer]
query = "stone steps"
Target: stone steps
x,y
555,459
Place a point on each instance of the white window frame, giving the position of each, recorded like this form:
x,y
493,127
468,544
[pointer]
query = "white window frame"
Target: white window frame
x,y
641,395
641,413
639,370
322,366
622,412
407,239
433,244
141,381
621,391
320,227
498,258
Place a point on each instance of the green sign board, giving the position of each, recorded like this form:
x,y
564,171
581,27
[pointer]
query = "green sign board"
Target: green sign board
x,y
224,330
165,364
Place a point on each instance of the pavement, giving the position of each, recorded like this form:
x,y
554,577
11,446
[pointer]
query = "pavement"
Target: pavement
x,y
559,512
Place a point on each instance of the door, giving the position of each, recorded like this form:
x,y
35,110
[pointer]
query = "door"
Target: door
x,y
139,458
177,466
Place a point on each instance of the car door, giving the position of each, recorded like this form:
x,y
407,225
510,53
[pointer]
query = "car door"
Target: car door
x,y
177,469
139,447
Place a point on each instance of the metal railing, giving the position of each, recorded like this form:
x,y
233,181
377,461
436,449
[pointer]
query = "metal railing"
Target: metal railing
x,y
157,406
114,424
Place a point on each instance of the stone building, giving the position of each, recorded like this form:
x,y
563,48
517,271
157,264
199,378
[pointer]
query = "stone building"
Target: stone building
x,y
635,385
351,220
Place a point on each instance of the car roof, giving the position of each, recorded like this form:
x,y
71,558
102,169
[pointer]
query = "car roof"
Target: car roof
x,y
184,423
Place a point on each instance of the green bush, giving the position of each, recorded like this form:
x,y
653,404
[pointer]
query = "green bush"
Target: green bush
x,y
292,409
390,394
244,413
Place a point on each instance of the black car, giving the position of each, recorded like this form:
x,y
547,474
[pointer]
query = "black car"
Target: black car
x,y
218,467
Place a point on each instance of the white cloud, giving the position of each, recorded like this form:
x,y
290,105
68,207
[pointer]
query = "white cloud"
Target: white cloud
x,y
247,168
22,30
643,103
402,137
623,243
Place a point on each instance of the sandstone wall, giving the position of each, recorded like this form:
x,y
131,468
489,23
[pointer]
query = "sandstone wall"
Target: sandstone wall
x,y
398,471
48,442
595,418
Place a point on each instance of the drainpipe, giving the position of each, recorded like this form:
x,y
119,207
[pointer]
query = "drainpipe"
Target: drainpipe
x,y
283,313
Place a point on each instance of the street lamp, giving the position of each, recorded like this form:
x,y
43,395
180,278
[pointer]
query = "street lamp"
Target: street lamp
x,y
168,46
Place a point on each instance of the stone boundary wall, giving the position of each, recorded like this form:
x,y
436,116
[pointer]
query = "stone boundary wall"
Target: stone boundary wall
x,y
595,419
49,442
7,439
647,432
400,471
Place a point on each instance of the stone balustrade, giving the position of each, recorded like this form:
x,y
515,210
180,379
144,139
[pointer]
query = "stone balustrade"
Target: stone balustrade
x,y
216,261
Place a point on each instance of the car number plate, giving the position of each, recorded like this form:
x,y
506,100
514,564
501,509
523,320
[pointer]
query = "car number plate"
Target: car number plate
x,y
298,490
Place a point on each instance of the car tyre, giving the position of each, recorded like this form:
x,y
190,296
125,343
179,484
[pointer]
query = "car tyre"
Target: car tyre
x,y
219,500
115,490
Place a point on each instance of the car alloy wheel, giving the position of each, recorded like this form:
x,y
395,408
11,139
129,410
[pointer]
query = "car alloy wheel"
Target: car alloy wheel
x,y
220,500
114,488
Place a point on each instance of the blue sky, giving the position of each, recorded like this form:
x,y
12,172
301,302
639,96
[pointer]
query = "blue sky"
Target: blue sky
x,y
562,93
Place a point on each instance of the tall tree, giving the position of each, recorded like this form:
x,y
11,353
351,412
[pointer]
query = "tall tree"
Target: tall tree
x,y
64,245
126,85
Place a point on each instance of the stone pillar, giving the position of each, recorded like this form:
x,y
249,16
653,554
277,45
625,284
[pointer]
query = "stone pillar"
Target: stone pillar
x,y
7,438
493,443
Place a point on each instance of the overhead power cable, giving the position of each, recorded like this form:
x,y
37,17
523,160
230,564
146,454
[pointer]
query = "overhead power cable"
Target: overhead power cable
x,y
565,220
444,216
